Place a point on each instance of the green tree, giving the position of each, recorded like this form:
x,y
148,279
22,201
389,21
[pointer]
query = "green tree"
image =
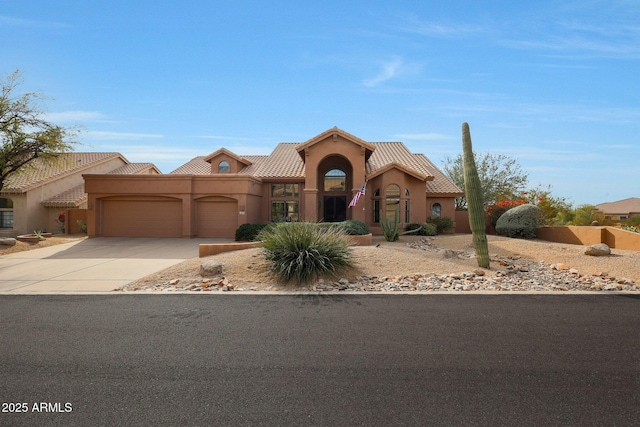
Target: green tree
x,y
586,214
25,135
499,176
554,210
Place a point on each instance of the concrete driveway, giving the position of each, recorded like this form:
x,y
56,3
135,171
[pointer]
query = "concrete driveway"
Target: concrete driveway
x,y
92,265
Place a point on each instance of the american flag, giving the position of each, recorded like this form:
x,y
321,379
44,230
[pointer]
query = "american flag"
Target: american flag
x,y
360,192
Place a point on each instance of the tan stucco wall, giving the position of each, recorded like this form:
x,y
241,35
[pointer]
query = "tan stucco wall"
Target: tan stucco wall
x,y
315,159
28,212
590,235
247,191
253,195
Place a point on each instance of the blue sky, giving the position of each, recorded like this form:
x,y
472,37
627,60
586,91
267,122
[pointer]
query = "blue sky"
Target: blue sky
x,y
553,84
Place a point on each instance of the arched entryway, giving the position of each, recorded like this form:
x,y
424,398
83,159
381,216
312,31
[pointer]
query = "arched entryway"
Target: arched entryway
x,y
335,178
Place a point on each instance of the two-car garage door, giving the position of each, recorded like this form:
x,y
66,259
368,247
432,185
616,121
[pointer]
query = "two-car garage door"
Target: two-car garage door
x,y
162,217
142,218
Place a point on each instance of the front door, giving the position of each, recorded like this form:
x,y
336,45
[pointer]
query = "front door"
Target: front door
x,y
335,208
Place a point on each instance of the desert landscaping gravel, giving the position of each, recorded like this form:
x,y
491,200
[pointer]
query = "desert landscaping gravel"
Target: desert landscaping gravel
x,y
444,263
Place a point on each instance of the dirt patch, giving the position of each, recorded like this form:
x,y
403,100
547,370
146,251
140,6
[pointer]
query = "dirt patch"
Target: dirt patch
x,y
50,241
247,268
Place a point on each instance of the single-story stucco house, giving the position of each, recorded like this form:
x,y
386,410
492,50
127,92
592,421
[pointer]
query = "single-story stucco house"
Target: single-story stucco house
x,y
620,210
212,195
34,197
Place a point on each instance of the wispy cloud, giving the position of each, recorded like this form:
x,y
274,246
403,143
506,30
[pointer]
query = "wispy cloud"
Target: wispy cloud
x,y
75,116
388,71
424,136
155,153
223,138
539,153
591,37
393,69
118,136
447,30
522,114
11,21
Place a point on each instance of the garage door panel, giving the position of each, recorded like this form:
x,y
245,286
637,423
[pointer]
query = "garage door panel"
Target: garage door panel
x,y
217,219
142,218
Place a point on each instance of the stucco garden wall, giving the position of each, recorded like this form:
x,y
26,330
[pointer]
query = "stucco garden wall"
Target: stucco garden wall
x,y
590,235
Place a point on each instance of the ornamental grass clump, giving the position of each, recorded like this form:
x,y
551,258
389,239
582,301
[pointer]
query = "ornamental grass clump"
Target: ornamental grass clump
x,y
303,250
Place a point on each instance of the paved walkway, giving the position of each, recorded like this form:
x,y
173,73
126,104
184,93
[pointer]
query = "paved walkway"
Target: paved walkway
x,y
92,265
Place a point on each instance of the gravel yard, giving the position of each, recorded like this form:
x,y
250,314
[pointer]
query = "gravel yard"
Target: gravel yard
x,y
441,263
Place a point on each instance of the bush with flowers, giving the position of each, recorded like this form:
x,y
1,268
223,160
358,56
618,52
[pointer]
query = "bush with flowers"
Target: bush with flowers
x,y
60,221
503,204
554,210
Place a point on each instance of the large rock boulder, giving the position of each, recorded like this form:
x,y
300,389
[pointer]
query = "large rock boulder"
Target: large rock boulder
x,y
7,241
520,221
210,267
601,249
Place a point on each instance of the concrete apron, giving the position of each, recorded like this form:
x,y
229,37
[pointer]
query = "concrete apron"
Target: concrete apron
x,y
100,264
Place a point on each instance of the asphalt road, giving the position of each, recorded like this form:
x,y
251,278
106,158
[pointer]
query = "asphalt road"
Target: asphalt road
x,y
435,360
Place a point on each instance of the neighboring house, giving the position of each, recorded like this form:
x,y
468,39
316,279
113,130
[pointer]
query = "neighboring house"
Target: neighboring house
x,y
35,196
621,210
210,196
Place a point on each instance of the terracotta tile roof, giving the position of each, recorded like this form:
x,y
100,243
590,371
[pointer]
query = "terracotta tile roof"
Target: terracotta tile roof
x,y
195,166
256,163
135,168
389,152
334,131
40,170
74,197
71,198
625,206
199,166
283,162
440,183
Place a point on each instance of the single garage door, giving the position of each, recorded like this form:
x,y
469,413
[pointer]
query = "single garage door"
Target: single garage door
x,y
142,218
217,218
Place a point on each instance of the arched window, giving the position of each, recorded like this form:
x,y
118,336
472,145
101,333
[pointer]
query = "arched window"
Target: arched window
x,y
223,167
335,180
392,202
436,210
6,213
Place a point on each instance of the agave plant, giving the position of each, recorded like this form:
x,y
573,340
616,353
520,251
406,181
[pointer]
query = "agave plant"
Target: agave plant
x,y
391,230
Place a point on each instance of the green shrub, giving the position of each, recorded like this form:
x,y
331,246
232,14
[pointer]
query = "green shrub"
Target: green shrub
x,y
426,229
82,226
633,221
249,232
353,227
391,230
303,250
442,224
520,221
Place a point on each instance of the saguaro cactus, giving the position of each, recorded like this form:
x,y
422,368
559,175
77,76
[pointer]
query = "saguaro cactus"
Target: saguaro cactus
x,y
473,193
